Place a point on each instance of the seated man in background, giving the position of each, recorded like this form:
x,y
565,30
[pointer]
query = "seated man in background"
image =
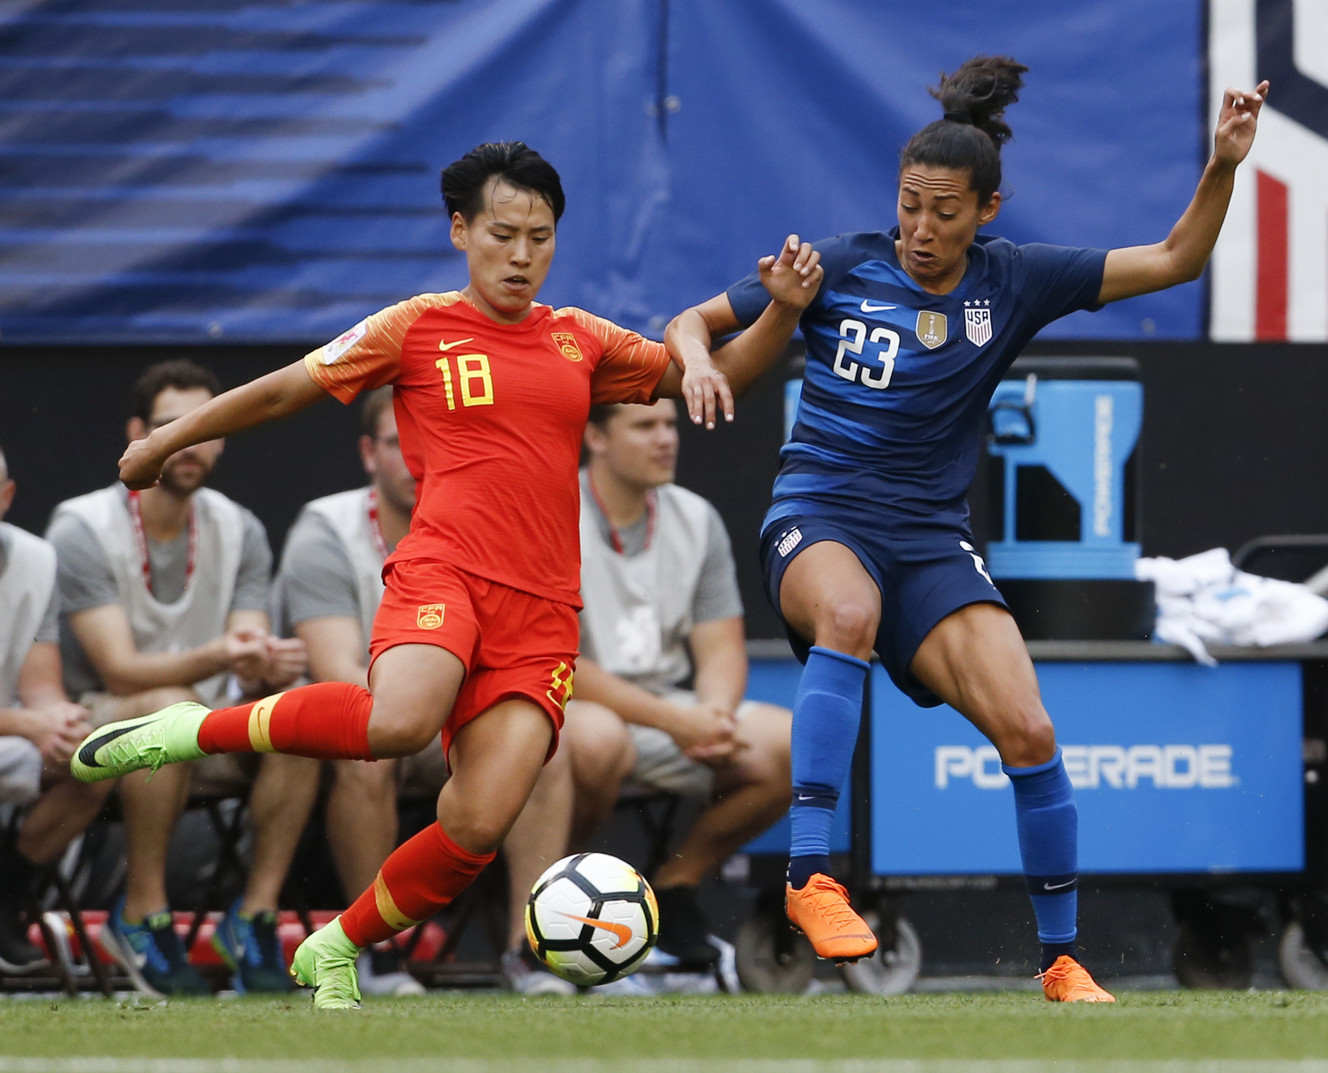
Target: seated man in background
x,y
328,590
662,607
164,597
39,730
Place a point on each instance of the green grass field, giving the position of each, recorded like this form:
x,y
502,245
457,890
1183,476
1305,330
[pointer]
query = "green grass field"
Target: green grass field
x,y
1005,1032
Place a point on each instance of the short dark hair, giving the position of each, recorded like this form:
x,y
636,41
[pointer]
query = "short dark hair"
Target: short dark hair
x,y
371,409
464,181
970,135
179,373
600,413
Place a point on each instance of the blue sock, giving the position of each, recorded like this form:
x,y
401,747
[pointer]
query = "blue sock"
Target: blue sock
x,y
826,713
1048,825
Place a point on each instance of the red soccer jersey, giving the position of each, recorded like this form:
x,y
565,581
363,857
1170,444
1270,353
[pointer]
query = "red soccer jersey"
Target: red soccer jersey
x,y
491,417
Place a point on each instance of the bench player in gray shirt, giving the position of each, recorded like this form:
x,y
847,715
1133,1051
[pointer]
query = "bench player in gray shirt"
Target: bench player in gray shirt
x,y
164,597
663,646
39,730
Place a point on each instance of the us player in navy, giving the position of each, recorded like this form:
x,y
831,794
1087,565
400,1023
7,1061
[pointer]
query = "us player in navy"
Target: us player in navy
x,y
867,545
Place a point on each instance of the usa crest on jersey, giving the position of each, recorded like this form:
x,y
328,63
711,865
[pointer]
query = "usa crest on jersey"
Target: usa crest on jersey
x,y
977,325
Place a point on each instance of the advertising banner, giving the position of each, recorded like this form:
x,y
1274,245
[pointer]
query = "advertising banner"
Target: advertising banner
x,y
263,171
1177,768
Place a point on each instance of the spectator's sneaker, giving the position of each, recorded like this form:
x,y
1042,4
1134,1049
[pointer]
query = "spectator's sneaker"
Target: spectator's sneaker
x,y
165,737
249,945
683,930
820,910
152,954
326,962
523,974
381,972
1068,981
17,954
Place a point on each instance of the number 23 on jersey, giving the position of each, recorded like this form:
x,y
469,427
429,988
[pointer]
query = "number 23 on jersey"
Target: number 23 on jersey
x,y
853,338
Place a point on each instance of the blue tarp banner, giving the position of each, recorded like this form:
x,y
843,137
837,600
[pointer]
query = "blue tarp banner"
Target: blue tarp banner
x,y
268,171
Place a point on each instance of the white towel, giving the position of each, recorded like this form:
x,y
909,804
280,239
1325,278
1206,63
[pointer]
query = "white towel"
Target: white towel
x,y
1202,599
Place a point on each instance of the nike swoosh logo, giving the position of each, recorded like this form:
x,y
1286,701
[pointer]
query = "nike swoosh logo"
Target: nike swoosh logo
x,y
449,346
88,754
620,931
1059,886
874,307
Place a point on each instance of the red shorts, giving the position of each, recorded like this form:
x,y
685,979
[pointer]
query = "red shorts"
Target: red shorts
x,y
513,644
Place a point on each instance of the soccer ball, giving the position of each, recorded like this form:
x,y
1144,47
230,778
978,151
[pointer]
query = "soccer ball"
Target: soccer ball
x,y
591,918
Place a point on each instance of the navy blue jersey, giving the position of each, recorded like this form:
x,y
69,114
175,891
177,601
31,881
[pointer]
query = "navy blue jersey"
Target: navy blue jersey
x,y
898,379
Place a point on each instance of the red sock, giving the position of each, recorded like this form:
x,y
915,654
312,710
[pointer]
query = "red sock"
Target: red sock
x,y
421,876
327,721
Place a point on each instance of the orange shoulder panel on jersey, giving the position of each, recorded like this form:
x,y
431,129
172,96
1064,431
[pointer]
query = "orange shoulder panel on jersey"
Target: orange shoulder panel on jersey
x,y
631,366
369,355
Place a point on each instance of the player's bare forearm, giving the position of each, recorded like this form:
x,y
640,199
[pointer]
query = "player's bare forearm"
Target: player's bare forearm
x,y
336,649
140,671
708,382
1182,255
719,658
745,357
632,703
277,394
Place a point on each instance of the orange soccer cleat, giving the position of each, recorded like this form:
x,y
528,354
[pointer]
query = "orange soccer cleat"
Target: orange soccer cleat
x,y
820,910
1068,981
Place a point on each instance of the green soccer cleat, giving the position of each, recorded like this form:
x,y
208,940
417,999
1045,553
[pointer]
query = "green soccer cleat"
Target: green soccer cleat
x,y
169,736
326,962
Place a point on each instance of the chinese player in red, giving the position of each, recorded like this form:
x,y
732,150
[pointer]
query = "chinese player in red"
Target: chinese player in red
x,y
476,637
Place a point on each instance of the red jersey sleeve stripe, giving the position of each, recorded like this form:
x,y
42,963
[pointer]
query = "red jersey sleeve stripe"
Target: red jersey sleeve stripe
x,y
369,355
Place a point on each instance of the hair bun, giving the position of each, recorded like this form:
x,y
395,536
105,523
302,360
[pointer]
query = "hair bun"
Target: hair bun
x,y
959,117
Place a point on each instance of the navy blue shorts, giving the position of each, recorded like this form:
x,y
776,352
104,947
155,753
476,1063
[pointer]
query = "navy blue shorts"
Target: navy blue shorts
x,y
925,567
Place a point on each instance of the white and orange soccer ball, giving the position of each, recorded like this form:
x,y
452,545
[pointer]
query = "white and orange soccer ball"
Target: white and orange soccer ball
x,y
592,918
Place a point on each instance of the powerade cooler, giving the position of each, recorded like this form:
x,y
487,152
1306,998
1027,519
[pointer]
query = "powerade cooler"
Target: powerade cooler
x,y
1064,498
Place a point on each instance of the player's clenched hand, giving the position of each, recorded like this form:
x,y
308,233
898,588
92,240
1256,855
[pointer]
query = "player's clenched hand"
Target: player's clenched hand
x,y
57,729
246,653
1236,123
706,390
287,659
140,465
794,276
704,732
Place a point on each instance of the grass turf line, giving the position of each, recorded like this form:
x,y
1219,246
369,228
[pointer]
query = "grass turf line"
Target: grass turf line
x,y
740,1033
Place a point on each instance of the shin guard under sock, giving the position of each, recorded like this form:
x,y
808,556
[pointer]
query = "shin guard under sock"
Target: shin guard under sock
x,y
421,876
326,721
826,713
1048,825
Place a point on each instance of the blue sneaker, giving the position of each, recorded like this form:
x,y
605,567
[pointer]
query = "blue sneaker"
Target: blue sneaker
x,y
152,954
249,945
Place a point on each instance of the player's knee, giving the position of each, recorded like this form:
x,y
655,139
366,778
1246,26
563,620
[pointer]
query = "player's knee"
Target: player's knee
x,y
395,734
598,743
765,733
848,625
477,829
1028,741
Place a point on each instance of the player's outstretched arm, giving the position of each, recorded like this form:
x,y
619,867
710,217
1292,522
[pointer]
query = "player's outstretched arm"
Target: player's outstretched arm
x,y
277,394
708,382
1182,255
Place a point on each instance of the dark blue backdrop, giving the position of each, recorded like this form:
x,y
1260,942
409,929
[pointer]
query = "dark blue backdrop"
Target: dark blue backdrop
x,y
268,171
